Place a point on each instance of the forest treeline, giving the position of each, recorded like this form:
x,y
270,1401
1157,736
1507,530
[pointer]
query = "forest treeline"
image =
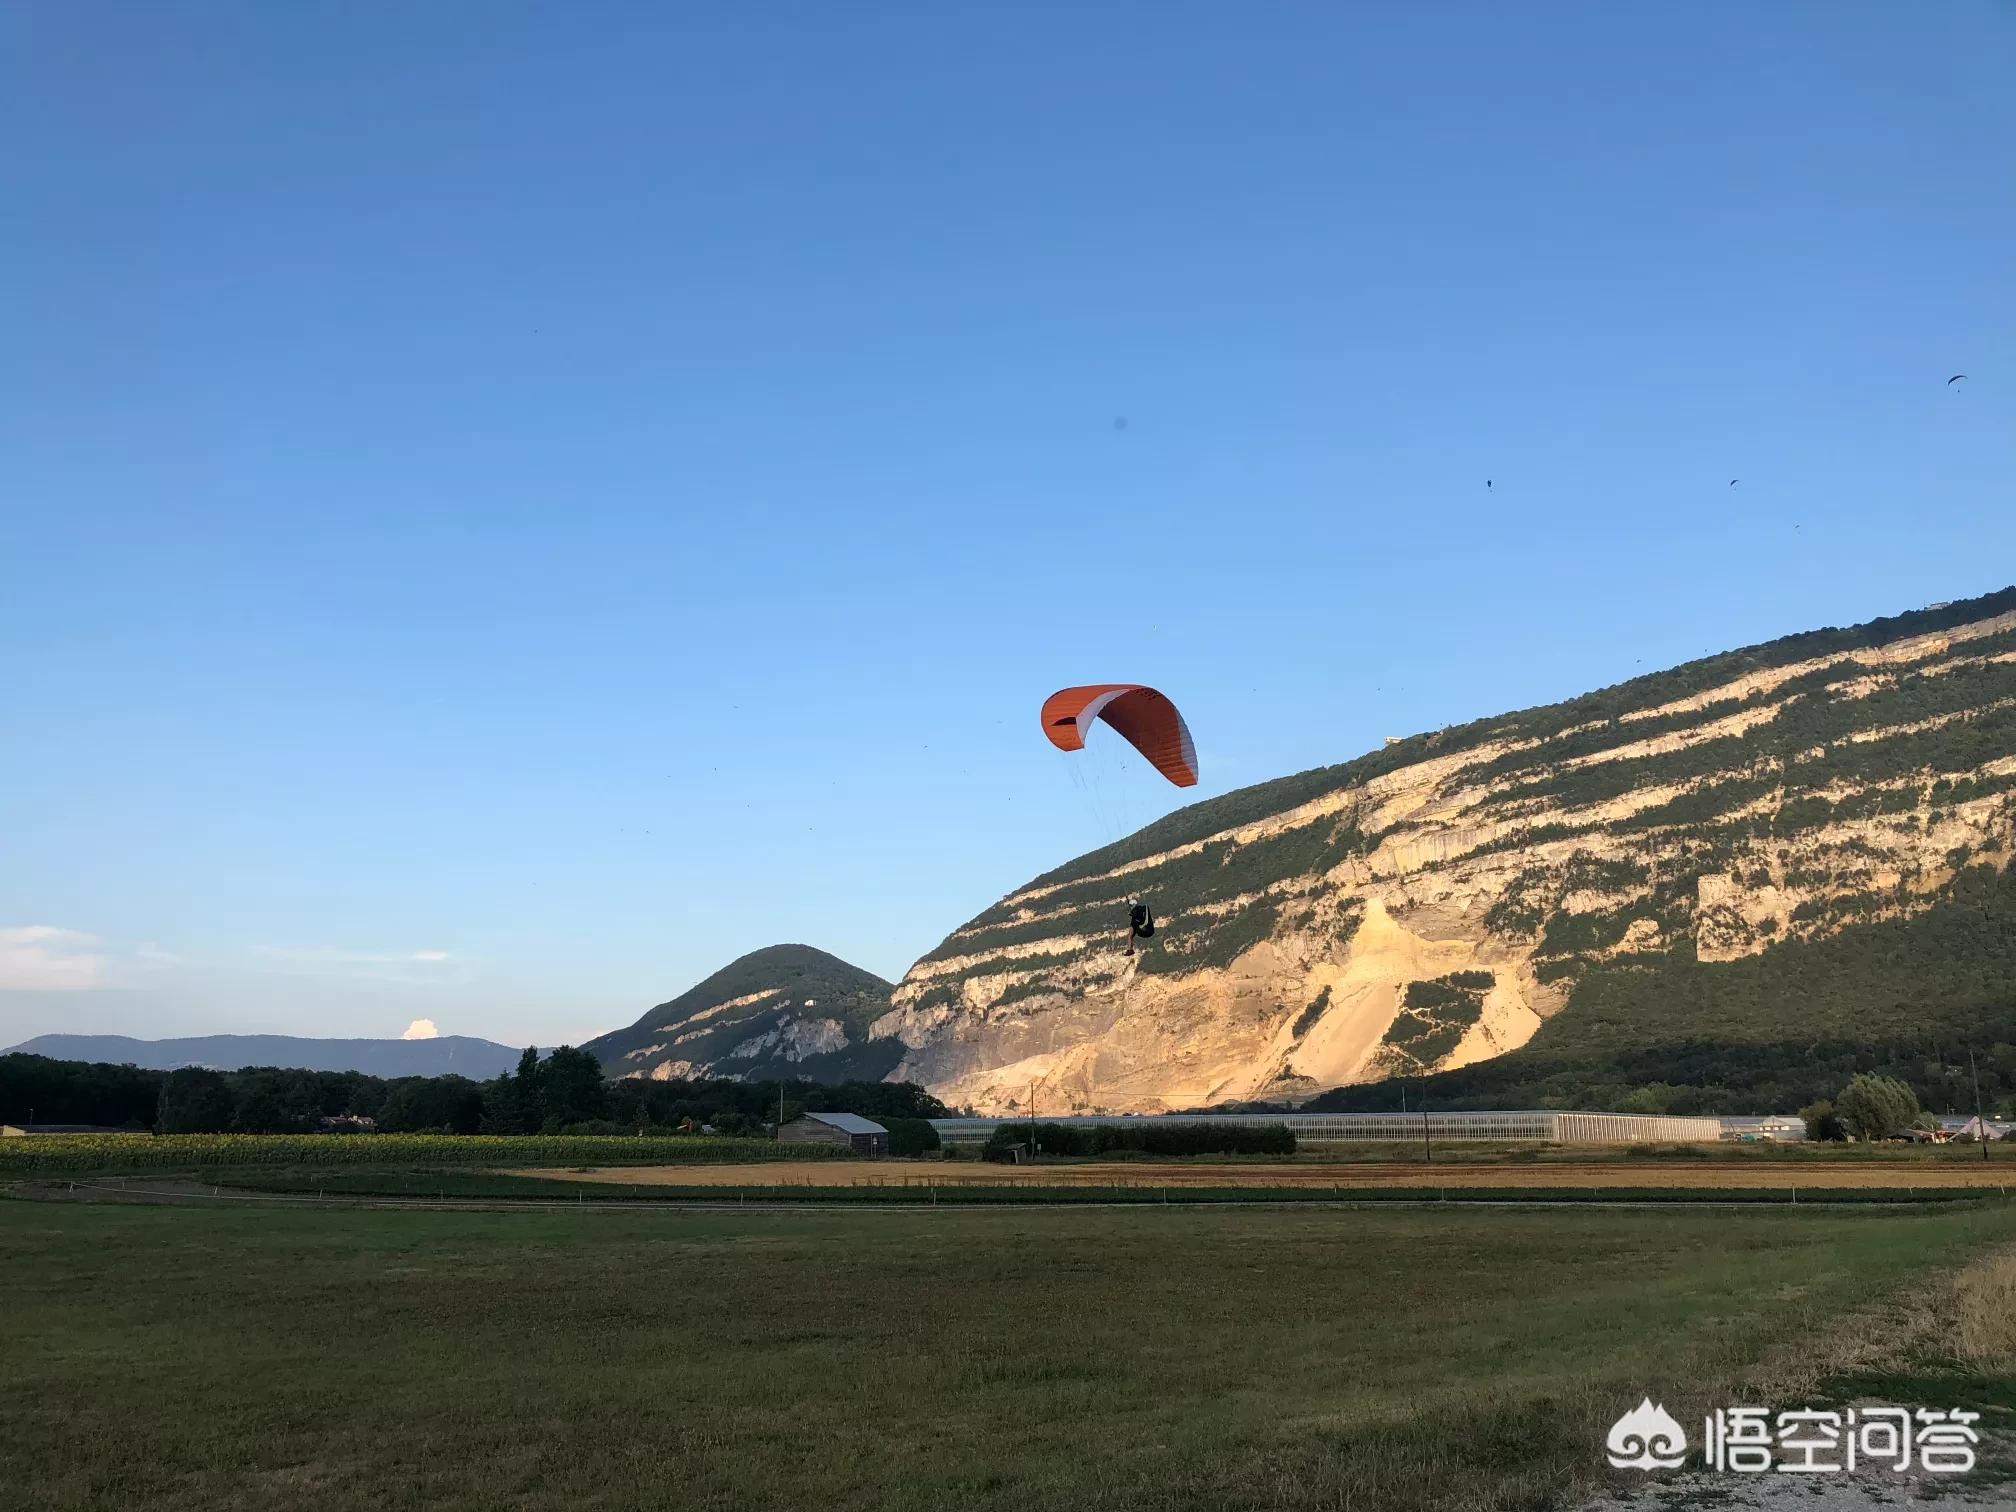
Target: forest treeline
x,y
560,1093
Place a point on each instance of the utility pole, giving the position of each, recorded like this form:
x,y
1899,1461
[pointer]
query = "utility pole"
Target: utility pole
x,y
1032,1116
780,1110
1427,1149
1980,1123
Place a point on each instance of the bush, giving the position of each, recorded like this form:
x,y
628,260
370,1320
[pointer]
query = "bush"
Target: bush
x,y
910,1136
1821,1123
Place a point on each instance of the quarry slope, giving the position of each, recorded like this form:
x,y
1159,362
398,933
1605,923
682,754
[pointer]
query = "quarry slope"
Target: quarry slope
x,y
1437,904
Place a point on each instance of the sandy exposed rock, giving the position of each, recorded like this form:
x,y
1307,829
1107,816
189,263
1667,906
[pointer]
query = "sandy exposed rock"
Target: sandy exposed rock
x,y
1450,848
794,1039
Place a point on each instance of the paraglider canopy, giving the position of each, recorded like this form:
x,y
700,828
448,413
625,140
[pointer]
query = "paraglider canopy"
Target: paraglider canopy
x,y
1146,719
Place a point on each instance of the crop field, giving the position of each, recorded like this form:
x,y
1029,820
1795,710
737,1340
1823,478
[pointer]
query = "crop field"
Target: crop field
x,y
69,1153
174,1359
1309,1176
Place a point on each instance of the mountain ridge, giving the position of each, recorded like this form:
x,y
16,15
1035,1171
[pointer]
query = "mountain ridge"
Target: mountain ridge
x,y
1431,905
449,1054
782,1010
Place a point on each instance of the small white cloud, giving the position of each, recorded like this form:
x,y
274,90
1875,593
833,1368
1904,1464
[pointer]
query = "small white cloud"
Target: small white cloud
x,y
44,958
421,1029
430,955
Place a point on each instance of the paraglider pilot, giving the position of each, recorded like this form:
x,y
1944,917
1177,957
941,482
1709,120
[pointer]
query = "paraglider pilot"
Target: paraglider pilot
x,y
1140,925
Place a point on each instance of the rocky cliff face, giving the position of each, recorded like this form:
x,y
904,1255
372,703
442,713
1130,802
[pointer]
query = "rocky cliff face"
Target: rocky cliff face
x,y
1435,904
786,1010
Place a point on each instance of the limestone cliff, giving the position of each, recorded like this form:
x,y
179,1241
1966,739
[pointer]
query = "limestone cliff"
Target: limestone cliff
x,y
1432,905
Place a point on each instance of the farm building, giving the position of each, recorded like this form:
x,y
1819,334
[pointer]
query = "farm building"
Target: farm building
x,y
1774,1128
1543,1126
843,1131
1971,1129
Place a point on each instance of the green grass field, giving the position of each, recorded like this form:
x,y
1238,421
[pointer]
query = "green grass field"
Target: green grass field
x,y
910,1185
204,1358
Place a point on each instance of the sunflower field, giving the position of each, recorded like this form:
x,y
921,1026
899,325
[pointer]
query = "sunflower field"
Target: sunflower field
x,y
70,1153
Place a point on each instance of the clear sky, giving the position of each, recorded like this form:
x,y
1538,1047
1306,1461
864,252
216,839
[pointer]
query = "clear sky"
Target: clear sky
x,y
504,507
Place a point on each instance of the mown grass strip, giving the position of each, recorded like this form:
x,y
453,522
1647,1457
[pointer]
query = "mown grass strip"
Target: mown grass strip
x,y
423,1184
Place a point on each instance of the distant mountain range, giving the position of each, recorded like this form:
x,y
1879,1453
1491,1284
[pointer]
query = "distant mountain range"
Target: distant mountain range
x,y
455,1054
785,1010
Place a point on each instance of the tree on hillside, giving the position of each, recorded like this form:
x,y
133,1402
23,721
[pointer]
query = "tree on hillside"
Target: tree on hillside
x,y
1876,1107
195,1101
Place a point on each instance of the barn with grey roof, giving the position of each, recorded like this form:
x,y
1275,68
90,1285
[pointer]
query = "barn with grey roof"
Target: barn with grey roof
x,y
841,1131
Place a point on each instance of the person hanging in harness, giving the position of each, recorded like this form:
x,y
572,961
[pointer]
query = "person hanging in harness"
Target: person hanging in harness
x,y
1140,925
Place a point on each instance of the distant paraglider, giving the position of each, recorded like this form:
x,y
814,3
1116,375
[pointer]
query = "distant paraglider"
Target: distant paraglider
x,y
1145,718
1954,379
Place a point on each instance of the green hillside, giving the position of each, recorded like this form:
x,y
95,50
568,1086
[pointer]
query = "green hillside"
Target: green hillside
x,y
785,1010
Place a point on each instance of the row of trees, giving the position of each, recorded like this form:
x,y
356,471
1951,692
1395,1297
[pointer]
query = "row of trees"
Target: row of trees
x,y
561,1092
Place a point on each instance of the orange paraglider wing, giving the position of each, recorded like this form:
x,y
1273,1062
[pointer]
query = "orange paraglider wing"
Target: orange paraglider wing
x,y
1146,719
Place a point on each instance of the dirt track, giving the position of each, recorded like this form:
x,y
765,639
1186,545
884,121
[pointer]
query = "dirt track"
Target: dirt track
x,y
1746,1176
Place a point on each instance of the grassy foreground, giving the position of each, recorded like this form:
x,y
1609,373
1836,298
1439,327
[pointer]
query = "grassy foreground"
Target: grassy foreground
x,y
180,1358
898,1184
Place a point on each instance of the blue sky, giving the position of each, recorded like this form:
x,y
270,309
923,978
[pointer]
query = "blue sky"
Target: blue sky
x,y
505,507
